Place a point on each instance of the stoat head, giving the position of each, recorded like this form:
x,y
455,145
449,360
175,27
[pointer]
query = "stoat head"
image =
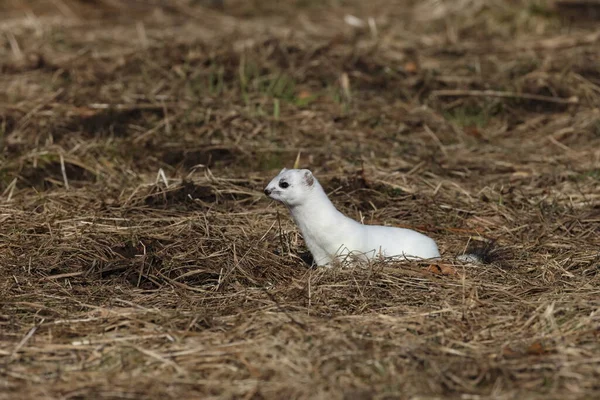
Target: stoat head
x,y
292,186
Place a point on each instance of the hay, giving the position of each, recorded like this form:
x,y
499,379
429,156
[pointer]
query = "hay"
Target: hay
x,y
140,259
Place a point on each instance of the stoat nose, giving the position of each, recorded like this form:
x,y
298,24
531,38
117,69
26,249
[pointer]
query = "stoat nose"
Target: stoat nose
x,y
267,191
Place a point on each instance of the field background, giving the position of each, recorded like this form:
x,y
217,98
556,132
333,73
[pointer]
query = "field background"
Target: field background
x,y
139,257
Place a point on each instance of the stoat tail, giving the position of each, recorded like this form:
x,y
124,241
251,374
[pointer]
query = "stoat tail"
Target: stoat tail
x,y
480,252
470,258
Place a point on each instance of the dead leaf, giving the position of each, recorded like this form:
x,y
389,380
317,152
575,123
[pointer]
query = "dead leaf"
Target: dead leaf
x,y
473,131
510,353
411,67
305,94
442,269
536,349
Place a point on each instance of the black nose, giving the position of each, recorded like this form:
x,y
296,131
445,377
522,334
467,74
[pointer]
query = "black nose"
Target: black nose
x,y
267,192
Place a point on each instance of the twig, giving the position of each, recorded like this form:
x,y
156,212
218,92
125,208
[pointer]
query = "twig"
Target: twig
x,y
181,285
280,234
297,162
160,358
141,31
63,170
10,190
27,117
24,340
293,320
236,264
95,342
514,95
60,276
14,45
65,9
134,107
161,176
436,140
142,264
562,146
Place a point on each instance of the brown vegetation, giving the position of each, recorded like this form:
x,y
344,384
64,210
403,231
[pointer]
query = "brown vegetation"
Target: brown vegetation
x,y
140,259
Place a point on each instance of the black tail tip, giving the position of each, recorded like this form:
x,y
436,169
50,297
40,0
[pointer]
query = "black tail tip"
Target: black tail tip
x,y
485,251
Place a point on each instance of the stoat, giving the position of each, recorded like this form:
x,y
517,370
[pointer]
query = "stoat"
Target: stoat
x,y
331,235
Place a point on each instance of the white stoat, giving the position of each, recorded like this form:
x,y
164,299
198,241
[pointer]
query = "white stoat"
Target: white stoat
x,y
330,234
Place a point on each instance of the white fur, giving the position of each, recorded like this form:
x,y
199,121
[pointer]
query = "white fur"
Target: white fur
x,y
329,234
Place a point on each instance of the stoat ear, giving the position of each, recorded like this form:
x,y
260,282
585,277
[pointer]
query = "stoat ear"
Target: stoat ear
x,y
308,178
282,171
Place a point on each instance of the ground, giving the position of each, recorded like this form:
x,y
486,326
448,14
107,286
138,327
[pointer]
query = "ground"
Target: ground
x,y
139,257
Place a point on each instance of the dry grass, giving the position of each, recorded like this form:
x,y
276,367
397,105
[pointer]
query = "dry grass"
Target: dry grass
x,y
140,259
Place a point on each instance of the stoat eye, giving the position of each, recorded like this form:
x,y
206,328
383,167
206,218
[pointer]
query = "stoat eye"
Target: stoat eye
x,y
283,185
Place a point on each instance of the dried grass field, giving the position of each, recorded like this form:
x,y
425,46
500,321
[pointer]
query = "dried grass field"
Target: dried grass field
x,y
139,258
